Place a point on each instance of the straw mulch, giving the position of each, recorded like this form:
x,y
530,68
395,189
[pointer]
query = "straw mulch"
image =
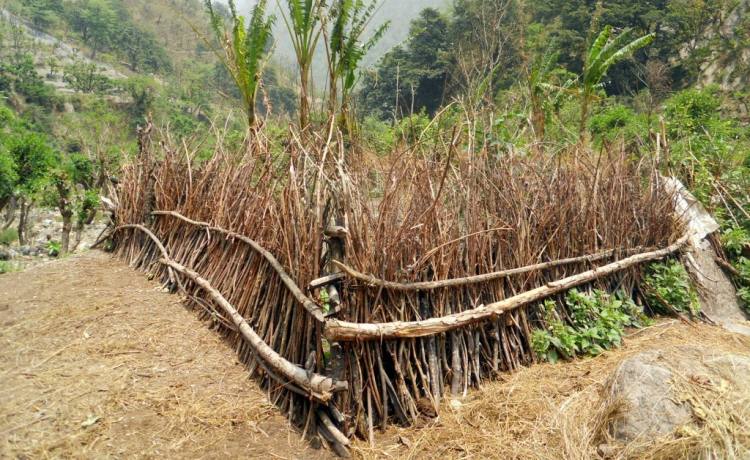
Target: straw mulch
x,y
98,362
553,411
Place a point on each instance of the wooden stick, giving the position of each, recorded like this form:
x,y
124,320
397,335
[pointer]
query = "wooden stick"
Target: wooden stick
x,y
154,239
318,386
476,279
336,330
306,302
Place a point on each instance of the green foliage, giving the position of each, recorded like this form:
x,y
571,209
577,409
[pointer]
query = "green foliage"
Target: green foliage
x,y
8,176
667,288
616,122
412,77
303,20
8,236
596,323
743,281
86,78
244,49
377,135
33,158
7,267
735,240
53,248
605,52
346,50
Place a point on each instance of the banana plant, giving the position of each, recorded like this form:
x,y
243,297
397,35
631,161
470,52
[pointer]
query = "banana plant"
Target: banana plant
x,y
303,20
603,54
245,49
346,49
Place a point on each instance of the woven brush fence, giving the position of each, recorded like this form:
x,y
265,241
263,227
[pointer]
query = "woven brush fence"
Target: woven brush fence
x,y
361,292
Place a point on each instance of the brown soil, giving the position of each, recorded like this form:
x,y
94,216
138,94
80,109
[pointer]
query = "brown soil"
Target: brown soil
x,y
97,362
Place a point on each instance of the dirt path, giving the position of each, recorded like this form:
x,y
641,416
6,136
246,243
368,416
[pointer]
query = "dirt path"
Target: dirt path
x,y
97,362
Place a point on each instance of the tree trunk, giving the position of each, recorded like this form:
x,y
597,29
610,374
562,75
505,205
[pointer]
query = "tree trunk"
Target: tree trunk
x,y
66,228
304,102
10,213
22,219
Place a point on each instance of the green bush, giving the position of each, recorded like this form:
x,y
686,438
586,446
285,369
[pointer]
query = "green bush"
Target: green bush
x,y
8,236
618,122
596,323
668,289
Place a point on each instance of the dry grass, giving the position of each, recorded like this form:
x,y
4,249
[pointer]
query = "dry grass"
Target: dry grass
x,y
98,362
562,411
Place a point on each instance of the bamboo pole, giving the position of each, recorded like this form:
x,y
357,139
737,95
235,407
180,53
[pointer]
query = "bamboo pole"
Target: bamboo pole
x,y
336,330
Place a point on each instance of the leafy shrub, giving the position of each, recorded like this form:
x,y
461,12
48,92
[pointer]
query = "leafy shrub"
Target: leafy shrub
x,y
734,239
597,322
743,281
7,267
8,236
667,288
618,122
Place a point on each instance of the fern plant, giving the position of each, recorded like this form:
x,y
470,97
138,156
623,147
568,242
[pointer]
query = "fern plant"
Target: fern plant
x,y
245,49
346,50
303,20
603,54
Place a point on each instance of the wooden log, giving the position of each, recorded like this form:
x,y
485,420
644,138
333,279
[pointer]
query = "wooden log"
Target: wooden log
x,y
319,387
306,302
153,238
476,279
336,330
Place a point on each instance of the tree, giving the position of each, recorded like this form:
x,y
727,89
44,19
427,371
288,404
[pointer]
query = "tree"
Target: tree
x,y
33,158
71,189
413,77
603,54
245,50
345,50
303,20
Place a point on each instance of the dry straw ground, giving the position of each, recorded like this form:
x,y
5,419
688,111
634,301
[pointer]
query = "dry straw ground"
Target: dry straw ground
x,y
561,411
97,362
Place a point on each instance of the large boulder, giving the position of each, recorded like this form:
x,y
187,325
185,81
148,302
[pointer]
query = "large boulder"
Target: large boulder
x,y
644,385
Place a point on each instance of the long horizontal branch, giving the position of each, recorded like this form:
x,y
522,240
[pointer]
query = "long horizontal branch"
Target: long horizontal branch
x,y
319,386
336,330
476,279
153,238
306,302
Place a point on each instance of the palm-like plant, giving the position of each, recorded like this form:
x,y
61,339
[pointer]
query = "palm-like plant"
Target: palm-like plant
x,y
346,50
245,49
603,54
303,21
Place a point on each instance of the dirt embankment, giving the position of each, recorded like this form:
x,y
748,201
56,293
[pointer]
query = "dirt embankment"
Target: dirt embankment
x,y
97,362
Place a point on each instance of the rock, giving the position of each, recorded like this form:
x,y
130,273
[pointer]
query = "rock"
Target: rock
x,y
644,383
47,223
5,253
25,250
644,387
